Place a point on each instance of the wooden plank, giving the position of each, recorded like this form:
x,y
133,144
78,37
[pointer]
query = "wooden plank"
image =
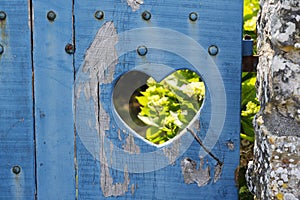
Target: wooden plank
x,y
250,63
17,174
105,167
53,78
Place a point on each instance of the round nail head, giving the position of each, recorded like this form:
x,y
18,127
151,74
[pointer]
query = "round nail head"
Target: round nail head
x,y
51,15
99,14
213,50
2,15
193,16
142,50
1,49
70,49
16,170
146,15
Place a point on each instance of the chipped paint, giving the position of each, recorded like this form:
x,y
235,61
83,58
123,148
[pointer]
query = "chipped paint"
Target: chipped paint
x,y
135,4
132,189
173,150
107,186
130,145
119,135
99,55
193,175
218,171
111,150
230,145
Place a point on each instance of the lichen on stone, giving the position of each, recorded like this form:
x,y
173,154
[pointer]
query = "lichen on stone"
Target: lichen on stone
x,y
274,171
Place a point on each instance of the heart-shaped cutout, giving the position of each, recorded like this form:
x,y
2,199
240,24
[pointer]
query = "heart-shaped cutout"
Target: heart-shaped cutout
x,y
158,111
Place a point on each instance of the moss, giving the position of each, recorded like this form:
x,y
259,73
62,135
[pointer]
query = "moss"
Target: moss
x,y
244,194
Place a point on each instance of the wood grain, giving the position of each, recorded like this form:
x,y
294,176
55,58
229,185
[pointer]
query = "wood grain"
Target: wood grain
x,y
219,23
53,80
16,104
50,121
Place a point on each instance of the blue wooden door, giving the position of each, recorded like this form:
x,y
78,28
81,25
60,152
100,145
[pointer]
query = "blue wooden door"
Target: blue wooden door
x,y
203,36
73,142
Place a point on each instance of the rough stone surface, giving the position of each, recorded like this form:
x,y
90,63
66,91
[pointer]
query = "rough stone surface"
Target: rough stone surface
x,y
275,171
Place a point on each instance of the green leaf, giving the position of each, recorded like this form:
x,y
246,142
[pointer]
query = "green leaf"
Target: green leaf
x,y
248,91
251,8
246,137
148,120
143,100
247,127
170,105
152,132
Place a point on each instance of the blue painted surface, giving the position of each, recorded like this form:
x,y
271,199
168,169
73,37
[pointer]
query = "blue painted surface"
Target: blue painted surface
x,y
53,78
16,107
59,153
247,47
220,24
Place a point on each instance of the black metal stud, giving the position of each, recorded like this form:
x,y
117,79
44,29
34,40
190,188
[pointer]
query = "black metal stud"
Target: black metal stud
x,y
193,16
99,14
146,15
51,15
1,49
16,170
213,50
2,15
142,50
70,49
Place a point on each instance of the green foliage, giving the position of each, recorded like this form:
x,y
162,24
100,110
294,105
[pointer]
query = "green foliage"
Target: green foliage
x,y
244,193
170,105
251,8
249,105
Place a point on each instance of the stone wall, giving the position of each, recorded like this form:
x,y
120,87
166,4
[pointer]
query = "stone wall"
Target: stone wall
x,y
275,171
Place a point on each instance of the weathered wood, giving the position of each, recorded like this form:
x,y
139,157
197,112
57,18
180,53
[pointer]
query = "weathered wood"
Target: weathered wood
x,y
113,161
105,169
17,174
249,63
53,81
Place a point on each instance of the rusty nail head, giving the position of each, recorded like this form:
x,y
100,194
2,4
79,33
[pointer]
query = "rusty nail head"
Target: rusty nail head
x,y
1,49
146,15
213,50
2,15
142,50
70,49
16,170
51,15
193,16
99,14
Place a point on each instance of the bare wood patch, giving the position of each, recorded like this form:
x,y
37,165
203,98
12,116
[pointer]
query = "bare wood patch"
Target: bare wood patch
x,y
193,175
173,151
130,145
100,61
135,4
